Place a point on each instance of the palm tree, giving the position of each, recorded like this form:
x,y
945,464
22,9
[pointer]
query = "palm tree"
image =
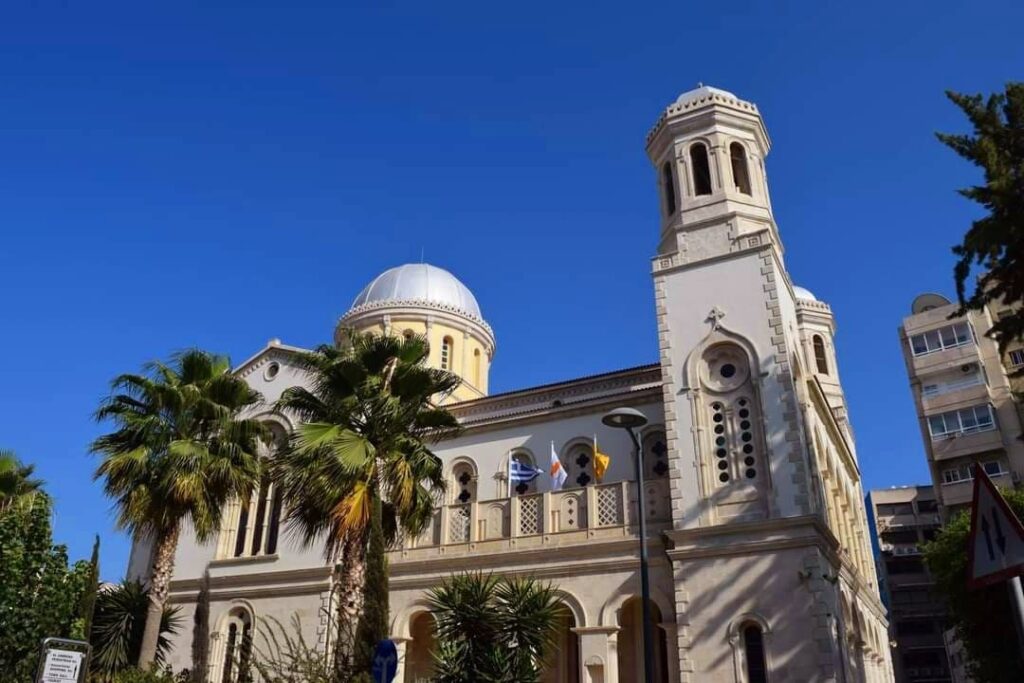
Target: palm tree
x,y
367,421
16,482
493,629
179,453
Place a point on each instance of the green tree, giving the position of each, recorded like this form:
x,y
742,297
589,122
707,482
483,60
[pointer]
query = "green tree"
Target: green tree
x,y
119,623
92,585
492,629
16,481
996,241
179,453
982,618
40,595
368,419
201,632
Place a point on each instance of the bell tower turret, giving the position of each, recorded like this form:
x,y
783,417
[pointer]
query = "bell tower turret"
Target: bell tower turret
x,y
709,148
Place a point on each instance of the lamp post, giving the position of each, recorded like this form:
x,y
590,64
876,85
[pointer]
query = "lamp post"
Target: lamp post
x,y
630,420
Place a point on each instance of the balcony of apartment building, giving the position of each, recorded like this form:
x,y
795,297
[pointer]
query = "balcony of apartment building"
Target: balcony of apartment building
x,y
898,521
954,388
963,431
602,512
916,601
943,347
925,665
957,487
906,570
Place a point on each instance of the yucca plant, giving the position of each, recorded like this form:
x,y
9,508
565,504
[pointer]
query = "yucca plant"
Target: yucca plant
x,y
180,451
493,629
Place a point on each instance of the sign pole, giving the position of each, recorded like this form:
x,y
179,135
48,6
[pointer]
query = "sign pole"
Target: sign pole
x,y
1017,599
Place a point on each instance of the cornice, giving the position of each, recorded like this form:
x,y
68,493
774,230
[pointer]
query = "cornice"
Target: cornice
x,y
825,414
580,386
548,562
750,537
633,397
274,350
418,304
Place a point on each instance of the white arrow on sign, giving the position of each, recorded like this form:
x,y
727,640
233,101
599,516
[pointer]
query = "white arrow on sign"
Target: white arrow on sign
x,y
996,544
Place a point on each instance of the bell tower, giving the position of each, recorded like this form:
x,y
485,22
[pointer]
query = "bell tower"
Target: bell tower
x,y
763,476
709,148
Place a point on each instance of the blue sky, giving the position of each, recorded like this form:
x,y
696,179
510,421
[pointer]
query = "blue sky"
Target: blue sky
x,y
183,174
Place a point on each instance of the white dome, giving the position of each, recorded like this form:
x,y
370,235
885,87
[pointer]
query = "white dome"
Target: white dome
x,y
702,93
419,283
801,293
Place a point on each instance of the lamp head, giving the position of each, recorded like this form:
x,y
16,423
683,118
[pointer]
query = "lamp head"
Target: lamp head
x,y
624,418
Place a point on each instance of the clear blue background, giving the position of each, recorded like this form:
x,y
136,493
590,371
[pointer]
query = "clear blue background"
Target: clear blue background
x,y
185,174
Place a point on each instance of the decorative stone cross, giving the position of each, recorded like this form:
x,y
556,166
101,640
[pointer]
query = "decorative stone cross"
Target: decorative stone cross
x,y
714,317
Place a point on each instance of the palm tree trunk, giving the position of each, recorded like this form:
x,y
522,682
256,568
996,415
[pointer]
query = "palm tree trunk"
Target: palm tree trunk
x,y
159,587
350,577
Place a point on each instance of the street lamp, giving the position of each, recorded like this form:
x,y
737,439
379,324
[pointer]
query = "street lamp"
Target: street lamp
x,y
631,419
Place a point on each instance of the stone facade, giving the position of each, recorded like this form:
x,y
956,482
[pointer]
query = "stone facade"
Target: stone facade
x,y
760,568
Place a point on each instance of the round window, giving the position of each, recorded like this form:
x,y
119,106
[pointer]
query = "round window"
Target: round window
x,y
271,371
728,370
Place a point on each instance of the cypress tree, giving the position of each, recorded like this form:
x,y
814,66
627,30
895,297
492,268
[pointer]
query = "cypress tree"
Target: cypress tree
x,y
373,622
201,632
88,605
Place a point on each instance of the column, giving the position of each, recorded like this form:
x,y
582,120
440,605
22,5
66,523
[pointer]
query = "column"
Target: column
x,y
599,662
400,646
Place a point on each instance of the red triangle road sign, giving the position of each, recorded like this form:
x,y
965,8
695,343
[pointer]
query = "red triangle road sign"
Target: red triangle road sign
x,y
995,548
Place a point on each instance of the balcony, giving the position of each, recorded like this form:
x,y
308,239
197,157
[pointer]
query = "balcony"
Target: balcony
x,y
938,361
962,492
964,444
966,392
539,520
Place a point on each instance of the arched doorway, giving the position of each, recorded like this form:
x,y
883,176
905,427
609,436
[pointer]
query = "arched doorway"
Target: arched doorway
x,y
631,644
419,651
563,660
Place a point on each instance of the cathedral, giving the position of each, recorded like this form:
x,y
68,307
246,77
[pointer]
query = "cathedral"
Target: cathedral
x,y
760,566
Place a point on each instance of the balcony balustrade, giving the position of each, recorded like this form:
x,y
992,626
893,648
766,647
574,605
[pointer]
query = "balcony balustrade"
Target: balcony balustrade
x,y
577,515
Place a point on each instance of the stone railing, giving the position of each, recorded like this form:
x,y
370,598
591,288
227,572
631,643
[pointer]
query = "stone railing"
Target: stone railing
x,y
532,520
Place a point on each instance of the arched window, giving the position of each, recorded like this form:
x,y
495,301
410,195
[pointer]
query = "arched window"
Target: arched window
x,y
820,359
700,168
446,353
523,488
237,649
669,183
252,525
579,465
740,174
735,426
476,368
463,482
753,650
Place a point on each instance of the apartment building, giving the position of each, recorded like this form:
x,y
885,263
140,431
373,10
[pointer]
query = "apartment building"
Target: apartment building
x,y
964,396
902,519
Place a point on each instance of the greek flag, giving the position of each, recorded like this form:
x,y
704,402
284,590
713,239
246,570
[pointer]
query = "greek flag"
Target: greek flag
x,y
520,472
